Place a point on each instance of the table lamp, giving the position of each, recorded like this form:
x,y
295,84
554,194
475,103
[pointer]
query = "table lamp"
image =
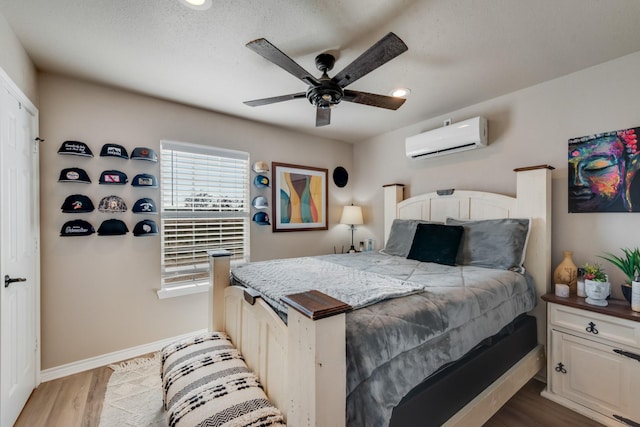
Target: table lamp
x,y
352,216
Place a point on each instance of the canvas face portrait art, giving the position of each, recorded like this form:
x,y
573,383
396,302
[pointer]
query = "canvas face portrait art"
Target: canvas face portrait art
x,y
602,172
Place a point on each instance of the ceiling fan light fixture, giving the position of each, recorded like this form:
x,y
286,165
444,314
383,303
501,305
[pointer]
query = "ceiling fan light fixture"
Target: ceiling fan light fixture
x,y
401,92
197,4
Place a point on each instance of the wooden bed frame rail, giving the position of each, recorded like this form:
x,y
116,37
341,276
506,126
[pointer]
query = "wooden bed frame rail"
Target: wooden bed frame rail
x,y
302,366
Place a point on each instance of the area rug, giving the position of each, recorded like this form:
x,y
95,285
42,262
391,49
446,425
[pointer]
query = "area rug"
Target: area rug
x,y
134,395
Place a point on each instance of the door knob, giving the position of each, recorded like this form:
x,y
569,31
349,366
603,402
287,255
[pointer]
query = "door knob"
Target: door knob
x,y
9,280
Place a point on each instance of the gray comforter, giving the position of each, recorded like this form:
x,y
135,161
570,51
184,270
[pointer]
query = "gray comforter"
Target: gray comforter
x,y
396,343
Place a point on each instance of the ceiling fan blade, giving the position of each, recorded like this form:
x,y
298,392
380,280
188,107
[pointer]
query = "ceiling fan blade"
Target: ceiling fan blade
x,y
266,101
382,101
380,53
323,116
268,51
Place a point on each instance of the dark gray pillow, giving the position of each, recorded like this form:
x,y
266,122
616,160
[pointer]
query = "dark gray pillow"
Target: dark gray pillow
x,y
494,243
436,243
401,236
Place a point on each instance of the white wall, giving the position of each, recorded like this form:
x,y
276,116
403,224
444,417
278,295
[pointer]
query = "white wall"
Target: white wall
x,y
16,63
526,128
98,293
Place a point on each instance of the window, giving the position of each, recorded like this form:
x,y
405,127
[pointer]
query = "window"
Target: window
x,y
204,206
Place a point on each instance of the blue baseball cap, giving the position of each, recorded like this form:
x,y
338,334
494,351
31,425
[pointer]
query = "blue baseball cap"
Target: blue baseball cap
x,y
144,206
261,218
145,180
261,181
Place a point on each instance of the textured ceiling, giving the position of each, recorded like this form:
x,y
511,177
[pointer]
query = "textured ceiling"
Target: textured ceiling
x,y
460,51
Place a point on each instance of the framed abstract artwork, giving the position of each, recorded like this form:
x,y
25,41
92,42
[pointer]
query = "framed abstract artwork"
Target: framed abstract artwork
x,y
602,172
299,198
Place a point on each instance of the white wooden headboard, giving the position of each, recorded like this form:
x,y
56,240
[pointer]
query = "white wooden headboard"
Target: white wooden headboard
x,y
533,200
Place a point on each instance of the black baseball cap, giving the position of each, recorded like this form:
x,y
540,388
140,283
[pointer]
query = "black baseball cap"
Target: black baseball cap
x,y
74,175
75,148
114,150
112,227
78,227
144,153
145,180
144,206
113,177
77,203
146,227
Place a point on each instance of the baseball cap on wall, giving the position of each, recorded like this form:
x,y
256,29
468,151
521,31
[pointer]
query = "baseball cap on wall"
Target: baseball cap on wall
x,y
261,181
114,150
261,218
78,227
112,227
260,202
77,203
143,153
112,204
146,227
260,166
144,206
74,175
113,177
75,148
145,180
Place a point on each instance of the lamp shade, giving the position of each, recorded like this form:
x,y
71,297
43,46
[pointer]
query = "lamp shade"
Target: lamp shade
x,y
351,215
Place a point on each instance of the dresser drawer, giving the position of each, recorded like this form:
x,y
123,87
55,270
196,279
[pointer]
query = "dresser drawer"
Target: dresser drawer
x,y
595,325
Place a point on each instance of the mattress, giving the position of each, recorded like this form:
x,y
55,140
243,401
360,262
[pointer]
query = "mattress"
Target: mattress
x,y
396,342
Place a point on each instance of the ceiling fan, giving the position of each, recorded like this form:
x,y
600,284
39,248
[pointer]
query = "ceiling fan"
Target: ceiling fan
x,y
325,92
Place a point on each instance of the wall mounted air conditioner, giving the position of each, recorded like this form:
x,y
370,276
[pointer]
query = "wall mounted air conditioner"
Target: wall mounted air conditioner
x,y
456,137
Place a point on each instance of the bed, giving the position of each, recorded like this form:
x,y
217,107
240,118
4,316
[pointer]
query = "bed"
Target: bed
x,y
302,363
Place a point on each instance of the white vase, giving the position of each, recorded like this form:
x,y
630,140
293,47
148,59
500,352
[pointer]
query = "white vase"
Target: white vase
x,y
597,292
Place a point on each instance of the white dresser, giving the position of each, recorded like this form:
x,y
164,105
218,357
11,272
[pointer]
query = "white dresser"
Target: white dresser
x,y
593,359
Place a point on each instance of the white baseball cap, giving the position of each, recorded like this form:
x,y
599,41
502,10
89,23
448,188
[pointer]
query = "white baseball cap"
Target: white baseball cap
x,y
260,202
260,166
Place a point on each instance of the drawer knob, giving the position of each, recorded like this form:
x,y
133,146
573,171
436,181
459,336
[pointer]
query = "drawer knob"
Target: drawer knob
x,y
592,328
560,368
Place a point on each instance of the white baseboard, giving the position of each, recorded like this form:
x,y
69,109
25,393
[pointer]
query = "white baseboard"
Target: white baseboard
x,y
109,358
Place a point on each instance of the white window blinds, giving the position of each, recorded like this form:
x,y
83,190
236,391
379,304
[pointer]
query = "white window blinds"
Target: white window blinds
x,y
205,205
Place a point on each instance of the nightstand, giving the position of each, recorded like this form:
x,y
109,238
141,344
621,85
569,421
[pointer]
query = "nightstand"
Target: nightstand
x,y
593,359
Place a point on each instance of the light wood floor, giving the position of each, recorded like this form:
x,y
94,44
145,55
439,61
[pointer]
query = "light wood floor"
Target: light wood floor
x,y
76,400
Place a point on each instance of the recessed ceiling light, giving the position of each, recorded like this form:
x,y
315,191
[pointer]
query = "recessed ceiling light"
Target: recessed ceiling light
x,y
400,92
197,4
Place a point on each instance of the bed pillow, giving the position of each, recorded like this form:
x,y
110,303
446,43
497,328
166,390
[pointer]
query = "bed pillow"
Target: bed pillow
x,y
494,243
401,236
436,243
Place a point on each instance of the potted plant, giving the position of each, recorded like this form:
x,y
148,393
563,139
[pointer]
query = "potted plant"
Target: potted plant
x,y
629,264
596,285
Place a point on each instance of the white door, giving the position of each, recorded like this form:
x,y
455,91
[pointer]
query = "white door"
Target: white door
x,y
19,259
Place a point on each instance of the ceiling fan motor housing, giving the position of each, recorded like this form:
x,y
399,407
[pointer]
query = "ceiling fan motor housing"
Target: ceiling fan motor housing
x,y
325,95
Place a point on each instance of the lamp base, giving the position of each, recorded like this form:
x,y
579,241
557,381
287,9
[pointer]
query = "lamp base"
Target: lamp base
x,y
352,249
